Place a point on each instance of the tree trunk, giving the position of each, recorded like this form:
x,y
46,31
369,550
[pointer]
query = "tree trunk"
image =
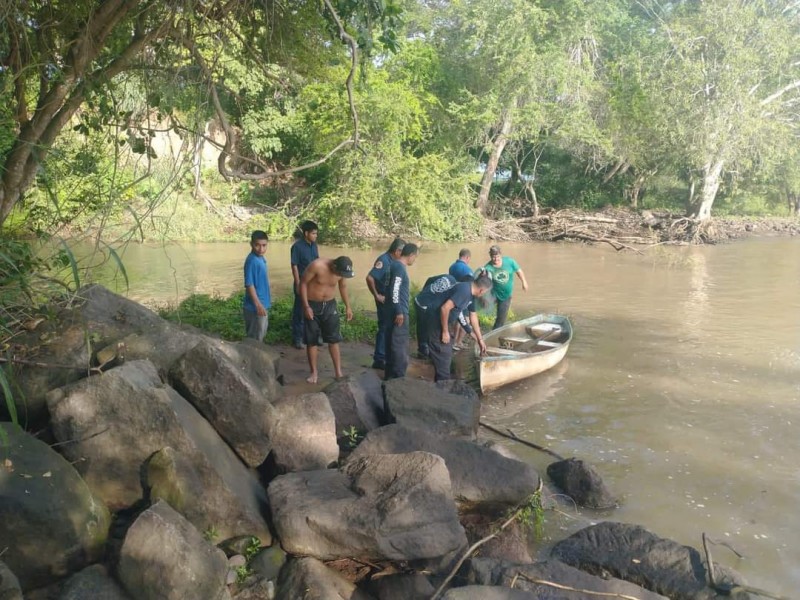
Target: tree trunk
x,y
709,186
498,145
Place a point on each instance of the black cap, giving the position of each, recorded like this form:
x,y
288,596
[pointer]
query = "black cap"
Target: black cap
x,y
344,266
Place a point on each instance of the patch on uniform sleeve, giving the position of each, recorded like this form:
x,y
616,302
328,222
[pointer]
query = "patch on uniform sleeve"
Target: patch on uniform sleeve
x,y
378,264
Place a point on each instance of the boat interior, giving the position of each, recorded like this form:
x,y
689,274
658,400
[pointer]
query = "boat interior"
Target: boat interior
x,y
530,340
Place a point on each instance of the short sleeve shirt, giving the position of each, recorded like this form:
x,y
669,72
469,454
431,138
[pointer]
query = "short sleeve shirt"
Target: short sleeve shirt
x,y
503,278
460,270
255,274
444,288
399,288
303,254
380,272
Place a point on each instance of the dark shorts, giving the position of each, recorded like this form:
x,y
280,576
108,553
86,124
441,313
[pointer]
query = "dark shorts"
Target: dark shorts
x,y
325,324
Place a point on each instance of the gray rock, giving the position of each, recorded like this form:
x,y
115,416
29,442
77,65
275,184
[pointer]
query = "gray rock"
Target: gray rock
x,y
255,588
192,487
634,554
50,522
164,558
419,404
481,478
401,586
581,482
268,562
534,578
9,585
309,579
357,402
232,385
396,507
510,545
483,592
93,582
303,434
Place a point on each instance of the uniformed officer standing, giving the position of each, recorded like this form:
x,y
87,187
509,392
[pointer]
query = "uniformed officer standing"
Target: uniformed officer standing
x,y
376,282
399,291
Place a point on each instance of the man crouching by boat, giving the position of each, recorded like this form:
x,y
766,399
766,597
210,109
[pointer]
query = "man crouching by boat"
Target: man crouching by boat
x,y
435,301
317,293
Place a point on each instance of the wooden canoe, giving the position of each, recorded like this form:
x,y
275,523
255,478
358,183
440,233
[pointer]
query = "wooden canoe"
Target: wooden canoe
x,y
522,349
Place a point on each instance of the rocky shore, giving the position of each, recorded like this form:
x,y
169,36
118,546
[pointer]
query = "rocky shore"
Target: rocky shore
x,y
157,462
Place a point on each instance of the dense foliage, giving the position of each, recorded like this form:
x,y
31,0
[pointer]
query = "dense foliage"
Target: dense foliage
x,y
172,120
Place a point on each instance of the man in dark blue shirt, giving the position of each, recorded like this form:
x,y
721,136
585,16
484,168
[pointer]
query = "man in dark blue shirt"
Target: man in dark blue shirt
x,y
304,252
436,300
460,269
376,282
397,302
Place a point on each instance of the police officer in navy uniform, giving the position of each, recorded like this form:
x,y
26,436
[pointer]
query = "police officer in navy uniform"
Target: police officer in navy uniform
x,y
376,282
304,252
436,300
397,302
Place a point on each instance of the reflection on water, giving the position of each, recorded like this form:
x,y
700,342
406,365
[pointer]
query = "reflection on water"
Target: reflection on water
x,y
681,384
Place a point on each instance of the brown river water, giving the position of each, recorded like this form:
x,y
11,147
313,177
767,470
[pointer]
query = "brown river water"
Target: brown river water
x,y
682,384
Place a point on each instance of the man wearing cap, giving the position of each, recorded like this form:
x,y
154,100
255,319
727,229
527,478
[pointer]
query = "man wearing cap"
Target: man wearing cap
x,y
502,270
318,297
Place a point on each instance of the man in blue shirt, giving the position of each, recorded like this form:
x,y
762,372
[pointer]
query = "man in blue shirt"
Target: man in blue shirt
x,y
460,269
256,287
304,252
397,305
376,282
436,300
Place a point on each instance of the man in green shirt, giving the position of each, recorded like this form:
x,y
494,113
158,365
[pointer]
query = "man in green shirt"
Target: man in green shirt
x,y
502,269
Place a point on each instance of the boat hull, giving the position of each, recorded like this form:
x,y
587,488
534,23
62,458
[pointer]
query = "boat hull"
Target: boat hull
x,y
522,349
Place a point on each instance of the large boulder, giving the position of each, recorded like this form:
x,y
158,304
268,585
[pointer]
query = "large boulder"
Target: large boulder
x,y
480,477
634,554
50,522
111,425
164,558
357,403
93,582
233,386
548,579
303,433
402,586
96,319
9,584
581,482
484,592
394,506
309,579
419,404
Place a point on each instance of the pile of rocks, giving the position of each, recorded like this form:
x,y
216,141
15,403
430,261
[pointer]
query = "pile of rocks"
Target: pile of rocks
x,y
182,470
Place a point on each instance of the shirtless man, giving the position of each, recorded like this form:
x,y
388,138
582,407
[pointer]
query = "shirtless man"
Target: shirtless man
x,y
317,294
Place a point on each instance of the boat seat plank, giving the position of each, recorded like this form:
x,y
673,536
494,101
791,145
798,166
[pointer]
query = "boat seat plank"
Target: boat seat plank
x,y
515,339
546,344
505,351
543,329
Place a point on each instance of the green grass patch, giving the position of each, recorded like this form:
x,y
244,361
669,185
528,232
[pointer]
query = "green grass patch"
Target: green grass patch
x,y
223,317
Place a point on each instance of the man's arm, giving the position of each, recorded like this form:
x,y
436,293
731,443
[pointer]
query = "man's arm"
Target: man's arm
x,y
521,276
476,331
251,292
444,316
345,299
307,278
374,290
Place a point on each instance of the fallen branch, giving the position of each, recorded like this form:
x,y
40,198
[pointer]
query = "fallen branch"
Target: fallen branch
x,y
731,589
568,588
513,436
31,363
478,544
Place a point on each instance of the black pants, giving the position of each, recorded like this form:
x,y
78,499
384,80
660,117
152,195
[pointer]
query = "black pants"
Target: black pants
x,y
422,330
397,349
441,354
502,313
